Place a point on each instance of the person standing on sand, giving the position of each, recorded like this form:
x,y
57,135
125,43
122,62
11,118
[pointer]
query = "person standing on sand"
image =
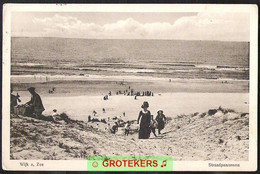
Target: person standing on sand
x,y
145,116
89,118
161,119
14,100
153,126
35,103
127,128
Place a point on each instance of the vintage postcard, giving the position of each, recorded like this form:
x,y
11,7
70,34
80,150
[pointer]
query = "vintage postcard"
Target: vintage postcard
x,y
129,87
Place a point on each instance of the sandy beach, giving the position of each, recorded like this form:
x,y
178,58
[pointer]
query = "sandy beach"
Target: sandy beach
x,y
191,134
79,96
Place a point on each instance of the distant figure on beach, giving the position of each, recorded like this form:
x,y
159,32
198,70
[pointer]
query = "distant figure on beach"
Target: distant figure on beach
x,y
109,93
124,114
114,118
132,92
104,111
94,113
144,127
136,97
103,121
89,118
161,119
54,113
35,104
106,97
14,99
127,128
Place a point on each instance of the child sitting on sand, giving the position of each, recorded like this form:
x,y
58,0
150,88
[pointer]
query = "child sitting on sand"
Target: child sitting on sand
x,y
114,128
55,114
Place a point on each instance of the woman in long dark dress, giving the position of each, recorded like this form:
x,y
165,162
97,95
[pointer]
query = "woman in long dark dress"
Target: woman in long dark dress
x,y
145,116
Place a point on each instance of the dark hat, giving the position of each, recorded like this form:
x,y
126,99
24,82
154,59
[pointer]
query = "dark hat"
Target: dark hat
x,y
145,104
31,89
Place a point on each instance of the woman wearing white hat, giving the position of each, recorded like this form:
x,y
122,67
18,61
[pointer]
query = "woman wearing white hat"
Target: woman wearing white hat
x,y
161,119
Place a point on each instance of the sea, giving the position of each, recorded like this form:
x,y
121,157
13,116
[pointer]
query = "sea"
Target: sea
x,y
151,58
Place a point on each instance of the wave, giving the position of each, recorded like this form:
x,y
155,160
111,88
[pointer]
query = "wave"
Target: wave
x,y
222,67
28,64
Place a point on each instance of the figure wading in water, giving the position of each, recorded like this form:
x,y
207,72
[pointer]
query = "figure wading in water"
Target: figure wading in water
x,y
144,127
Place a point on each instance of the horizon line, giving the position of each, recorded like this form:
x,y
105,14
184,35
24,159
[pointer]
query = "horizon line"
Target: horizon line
x,y
126,39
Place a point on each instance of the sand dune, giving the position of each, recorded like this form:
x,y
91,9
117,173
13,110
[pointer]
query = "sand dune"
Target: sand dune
x,y
223,135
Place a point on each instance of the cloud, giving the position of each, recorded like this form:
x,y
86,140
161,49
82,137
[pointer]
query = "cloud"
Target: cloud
x,y
214,26
203,26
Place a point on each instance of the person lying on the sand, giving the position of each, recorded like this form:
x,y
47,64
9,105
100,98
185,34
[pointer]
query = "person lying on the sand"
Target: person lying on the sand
x,y
161,119
35,104
145,116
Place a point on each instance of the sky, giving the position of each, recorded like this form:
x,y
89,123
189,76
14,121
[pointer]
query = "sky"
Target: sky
x,y
119,25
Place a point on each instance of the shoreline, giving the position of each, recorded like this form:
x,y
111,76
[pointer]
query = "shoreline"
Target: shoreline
x,y
42,78
101,85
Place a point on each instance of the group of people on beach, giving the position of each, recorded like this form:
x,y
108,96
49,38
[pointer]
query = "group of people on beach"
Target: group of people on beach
x,y
130,92
34,107
148,124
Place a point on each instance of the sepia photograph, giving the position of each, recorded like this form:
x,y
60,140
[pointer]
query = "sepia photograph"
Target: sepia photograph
x,y
131,83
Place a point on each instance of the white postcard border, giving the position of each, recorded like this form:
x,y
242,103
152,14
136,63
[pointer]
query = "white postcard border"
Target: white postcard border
x,y
81,165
